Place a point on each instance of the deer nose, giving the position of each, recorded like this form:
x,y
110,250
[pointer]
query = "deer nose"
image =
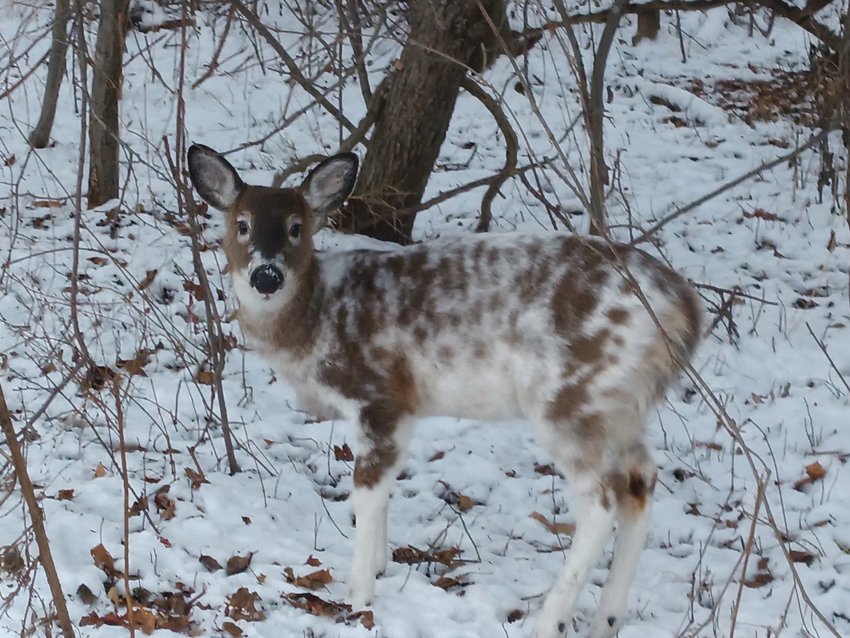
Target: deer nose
x,y
266,279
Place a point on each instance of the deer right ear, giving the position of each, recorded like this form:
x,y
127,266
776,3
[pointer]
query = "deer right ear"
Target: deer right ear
x,y
215,180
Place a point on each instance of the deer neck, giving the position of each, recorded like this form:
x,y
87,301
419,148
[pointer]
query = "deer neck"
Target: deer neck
x,y
289,320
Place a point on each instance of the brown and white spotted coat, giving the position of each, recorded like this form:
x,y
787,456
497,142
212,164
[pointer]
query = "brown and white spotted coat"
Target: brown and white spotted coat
x,y
551,328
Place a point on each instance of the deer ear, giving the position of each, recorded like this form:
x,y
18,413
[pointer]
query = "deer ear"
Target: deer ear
x,y
215,180
327,185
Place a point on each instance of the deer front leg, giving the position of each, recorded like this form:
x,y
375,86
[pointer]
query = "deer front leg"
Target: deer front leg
x,y
378,460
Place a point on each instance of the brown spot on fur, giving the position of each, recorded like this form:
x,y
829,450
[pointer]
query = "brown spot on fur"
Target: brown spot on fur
x,y
618,315
571,305
632,490
371,467
571,398
589,349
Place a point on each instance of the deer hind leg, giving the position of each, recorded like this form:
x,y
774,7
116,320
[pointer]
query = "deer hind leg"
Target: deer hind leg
x,y
384,440
633,487
595,515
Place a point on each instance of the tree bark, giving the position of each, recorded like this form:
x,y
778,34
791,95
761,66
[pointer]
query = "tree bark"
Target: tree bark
x,y
447,37
104,140
40,135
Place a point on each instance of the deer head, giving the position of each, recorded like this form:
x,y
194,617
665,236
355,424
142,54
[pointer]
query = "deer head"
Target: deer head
x,y
269,234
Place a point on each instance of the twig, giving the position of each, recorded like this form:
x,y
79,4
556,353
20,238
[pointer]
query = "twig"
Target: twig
x,y
815,139
213,65
37,518
748,550
828,357
125,482
511,150
294,71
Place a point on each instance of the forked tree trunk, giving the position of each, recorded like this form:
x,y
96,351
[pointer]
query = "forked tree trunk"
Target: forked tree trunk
x,y
105,94
447,37
40,135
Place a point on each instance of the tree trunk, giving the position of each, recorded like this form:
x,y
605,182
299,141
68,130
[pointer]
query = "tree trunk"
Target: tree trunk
x,y
40,135
648,26
446,38
105,93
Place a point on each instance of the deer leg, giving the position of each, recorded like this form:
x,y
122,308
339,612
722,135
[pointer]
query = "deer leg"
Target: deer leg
x,y
634,493
594,527
375,469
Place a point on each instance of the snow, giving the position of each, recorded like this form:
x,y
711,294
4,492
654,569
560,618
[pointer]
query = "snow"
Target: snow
x,y
291,501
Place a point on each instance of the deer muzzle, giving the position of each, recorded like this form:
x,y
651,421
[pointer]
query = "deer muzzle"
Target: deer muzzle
x,y
266,279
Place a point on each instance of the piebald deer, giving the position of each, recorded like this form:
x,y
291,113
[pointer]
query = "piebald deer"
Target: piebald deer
x,y
550,328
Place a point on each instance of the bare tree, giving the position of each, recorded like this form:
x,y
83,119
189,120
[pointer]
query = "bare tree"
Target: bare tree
x,y
40,135
447,38
105,93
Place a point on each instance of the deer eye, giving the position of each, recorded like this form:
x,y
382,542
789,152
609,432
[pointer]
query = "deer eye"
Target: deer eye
x,y
242,227
295,230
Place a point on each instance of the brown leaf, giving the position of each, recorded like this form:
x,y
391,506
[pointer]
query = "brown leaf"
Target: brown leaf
x,y
799,556
242,606
464,503
312,561
815,471
48,203
238,564
758,580
99,471
312,604
246,520
111,619
205,377
546,470
65,495
136,365
231,629
209,562
9,161
436,456
150,275
86,595
555,528
165,505
366,618
144,619
447,582
412,556
103,559
343,453
196,478
515,614
314,580
141,505
196,290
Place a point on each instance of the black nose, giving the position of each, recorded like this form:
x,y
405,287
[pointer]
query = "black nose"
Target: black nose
x,y
266,279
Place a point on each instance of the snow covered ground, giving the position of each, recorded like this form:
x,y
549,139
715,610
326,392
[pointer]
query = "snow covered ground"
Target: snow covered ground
x,y
475,489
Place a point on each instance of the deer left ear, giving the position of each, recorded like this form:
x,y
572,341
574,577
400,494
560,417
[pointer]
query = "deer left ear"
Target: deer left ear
x,y
215,180
330,183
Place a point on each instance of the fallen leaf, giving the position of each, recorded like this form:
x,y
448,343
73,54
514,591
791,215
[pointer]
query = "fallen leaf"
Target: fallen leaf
x,y
144,619
164,503
136,365
815,471
86,595
150,275
312,561
238,564
246,520
447,582
412,556
196,478
343,453
515,614
99,471
758,580
436,456
366,618
209,562
48,203
103,559
65,495
141,505
313,580
231,629
799,556
242,606
205,377
316,606
464,503
556,528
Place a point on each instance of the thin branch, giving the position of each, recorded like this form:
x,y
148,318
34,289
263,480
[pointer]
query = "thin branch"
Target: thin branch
x,y
37,517
815,139
511,150
828,357
294,71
